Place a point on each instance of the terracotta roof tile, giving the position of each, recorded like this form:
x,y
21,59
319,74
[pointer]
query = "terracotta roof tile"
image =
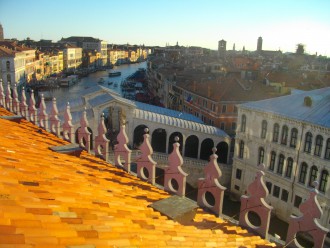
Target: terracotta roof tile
x,y
49,199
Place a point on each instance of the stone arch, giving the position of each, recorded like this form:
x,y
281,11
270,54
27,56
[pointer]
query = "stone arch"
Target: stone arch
x,y
158,140
171,141
191,147
222,152
138,135
206,148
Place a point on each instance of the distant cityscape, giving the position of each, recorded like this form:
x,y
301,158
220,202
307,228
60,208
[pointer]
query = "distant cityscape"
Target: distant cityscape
x,y
237,91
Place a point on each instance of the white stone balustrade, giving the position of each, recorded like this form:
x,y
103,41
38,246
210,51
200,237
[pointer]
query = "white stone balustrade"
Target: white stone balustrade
x,y
23,105
84,136
42,114
101,142
67,127
16,103
211,185
2,94
54,121
121,150
9,99
32,110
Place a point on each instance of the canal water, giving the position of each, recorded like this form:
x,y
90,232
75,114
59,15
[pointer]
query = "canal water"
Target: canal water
x,y
74,91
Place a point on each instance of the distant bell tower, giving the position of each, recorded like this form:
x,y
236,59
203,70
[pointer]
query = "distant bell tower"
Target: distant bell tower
x,y
1,33
222,48
259,44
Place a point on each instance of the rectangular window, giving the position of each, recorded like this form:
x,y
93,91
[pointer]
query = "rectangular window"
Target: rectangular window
x,y
276,191
269,187
233,126
297,201
224,108
236,187
205,103
238,174
285,195
222,125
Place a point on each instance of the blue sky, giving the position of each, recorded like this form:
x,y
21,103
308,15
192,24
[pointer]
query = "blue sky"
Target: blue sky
x,y
282,24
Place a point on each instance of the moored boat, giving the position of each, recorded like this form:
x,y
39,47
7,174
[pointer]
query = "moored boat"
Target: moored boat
x,y
114,74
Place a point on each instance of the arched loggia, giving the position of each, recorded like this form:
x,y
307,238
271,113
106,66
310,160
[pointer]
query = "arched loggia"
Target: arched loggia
x,y
191,147
206,149
138,135
222,152
171,140
158,140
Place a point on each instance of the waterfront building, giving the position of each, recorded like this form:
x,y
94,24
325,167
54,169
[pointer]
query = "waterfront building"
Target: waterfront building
x,y
291,136
16,63
259,44
89,43
91,59
72,57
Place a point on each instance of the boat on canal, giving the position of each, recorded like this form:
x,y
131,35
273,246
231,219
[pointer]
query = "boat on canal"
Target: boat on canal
x,y
114,74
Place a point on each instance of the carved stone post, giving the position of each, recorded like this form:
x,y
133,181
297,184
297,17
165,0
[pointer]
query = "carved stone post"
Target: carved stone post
x,y
211,185
121,150
42,115
16,104
307,223
256,203
101,142
175,178
54,120
84,136
2,95
33,115
67,127
9,99
23,105
146,166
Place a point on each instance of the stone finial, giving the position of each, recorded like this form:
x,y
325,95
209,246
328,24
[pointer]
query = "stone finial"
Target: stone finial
x,y
9,99
146,166
211,184
42,115
101,142
68,133
175,177
308,223
54,120
16,104
256,203
84,136
23,104
121,150
33,115
2,94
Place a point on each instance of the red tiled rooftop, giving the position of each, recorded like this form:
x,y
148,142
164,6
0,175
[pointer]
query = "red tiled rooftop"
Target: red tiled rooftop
x,y
48,199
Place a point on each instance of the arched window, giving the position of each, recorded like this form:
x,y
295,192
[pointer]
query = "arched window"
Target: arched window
x,y
327,150
312,176
308,142
272,161
243,123
289,166
318,145
303,172
8,65
323,181
261,155
241,149
276,132
294,136
280,164
284,137
263,129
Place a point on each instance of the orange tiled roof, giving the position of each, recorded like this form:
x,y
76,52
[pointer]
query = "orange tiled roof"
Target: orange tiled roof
x,y
49,199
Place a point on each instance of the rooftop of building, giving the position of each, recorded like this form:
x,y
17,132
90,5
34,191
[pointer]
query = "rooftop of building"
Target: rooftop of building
x,y
49,199
308,106
80,39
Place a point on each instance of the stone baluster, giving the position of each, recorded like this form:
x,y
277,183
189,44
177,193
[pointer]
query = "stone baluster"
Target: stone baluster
x,y
16,105
101,142
307,223
67,127
84,136
255,202
121,150
146,166
175,178
210,184
2,95
23,105
42,114
54,120
33,112
9,99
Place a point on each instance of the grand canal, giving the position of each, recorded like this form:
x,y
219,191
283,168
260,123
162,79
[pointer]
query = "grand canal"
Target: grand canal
x,y
74,91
